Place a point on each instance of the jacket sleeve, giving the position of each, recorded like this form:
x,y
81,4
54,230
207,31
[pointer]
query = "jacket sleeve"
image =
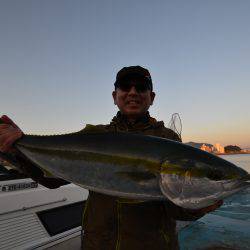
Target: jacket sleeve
x,y
179,213
170,134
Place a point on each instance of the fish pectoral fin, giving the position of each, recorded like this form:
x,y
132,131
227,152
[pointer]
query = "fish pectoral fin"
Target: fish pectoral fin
x,y
47,174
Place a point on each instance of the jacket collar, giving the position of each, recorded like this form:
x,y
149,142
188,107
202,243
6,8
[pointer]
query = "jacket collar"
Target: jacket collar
x,y
121,122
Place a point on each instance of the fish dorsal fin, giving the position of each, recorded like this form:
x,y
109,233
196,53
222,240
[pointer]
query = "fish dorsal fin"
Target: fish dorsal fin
x,y
93,129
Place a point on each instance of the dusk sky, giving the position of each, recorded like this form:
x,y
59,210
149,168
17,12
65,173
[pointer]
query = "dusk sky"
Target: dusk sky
x,y
59,60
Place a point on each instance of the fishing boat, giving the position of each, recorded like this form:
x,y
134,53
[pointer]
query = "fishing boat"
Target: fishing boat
x,y
35,217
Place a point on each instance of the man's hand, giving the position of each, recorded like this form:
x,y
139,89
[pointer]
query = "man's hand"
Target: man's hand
x,y
9,133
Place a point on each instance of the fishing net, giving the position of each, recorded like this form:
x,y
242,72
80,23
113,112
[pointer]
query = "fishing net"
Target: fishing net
x,y
175,124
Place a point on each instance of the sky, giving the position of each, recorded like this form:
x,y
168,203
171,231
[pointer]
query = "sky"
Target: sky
x,y
59,60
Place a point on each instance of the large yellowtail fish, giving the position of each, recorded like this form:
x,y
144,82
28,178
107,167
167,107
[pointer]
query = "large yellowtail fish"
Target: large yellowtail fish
x,y
136,166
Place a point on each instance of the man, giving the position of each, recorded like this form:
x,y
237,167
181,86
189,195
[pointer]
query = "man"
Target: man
x,y
112,223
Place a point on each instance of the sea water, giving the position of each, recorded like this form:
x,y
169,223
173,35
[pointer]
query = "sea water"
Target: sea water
x,y
226,228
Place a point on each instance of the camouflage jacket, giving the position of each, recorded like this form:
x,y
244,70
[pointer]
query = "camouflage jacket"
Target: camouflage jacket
x,y
112,223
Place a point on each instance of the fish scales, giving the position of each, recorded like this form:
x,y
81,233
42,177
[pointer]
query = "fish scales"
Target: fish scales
x,y
103,162
136,166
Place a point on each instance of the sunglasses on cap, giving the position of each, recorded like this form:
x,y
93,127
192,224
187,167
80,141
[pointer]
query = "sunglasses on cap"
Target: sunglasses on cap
x,y
140,85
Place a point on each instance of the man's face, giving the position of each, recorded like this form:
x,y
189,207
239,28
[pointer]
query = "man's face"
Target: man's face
x,y
131,102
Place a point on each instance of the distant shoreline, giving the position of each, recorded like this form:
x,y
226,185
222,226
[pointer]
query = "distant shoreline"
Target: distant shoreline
x,y
238,153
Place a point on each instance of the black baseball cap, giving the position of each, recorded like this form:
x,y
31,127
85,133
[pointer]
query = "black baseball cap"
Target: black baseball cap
x,y
133,72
